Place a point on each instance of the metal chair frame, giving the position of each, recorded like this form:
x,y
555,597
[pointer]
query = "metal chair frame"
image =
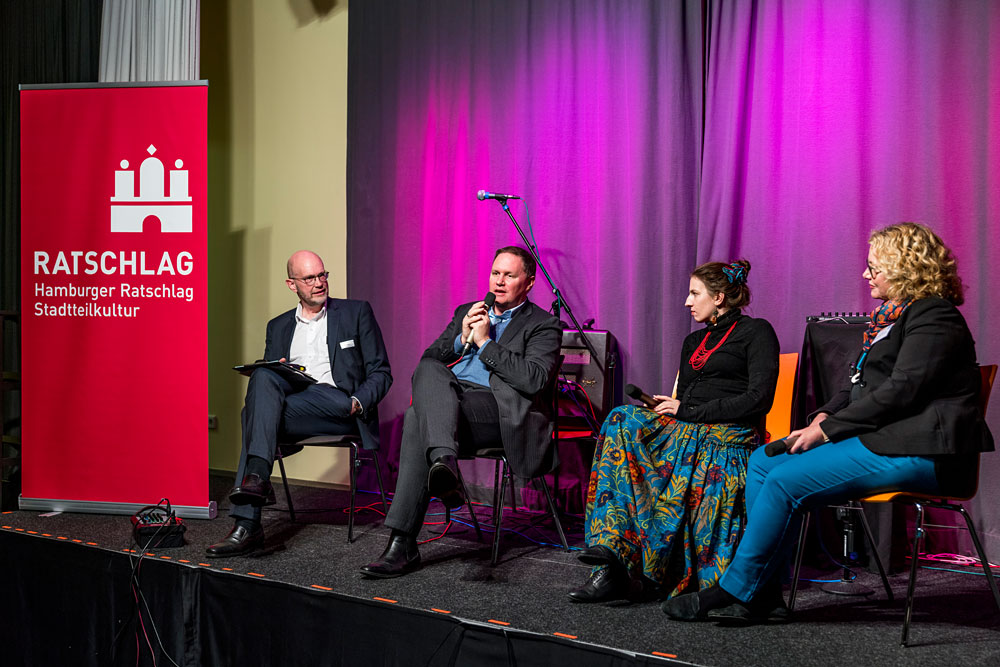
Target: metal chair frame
x,y
919,501
351,441
501,477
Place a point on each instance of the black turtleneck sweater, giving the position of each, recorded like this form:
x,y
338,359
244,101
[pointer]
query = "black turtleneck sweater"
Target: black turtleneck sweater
x,y
737,383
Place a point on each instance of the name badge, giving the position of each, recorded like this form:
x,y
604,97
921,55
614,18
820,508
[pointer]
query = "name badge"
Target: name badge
x,y
344,344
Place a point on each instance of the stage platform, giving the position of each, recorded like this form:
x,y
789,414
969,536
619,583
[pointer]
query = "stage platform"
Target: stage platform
x,y
65,599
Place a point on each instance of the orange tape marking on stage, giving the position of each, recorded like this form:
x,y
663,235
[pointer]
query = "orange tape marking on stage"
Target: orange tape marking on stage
x,y
166,557
562,634
255,574
78,541
440,611
385,600
92,544
46,535
60,537
20,530
322,588
205,564
32,532
491,620
664,655
7,527
181,560
228,569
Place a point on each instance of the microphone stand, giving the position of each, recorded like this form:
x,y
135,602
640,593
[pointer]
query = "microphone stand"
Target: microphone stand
x,y
559,303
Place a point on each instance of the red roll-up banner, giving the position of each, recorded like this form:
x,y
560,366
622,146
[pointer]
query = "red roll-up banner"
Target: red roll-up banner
x,y
113,297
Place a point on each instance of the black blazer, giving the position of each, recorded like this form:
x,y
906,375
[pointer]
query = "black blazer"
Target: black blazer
x,y
521,364
361,370
920,391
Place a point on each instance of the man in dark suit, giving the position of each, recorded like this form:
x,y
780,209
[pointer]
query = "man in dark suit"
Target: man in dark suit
x,y
478,385
340,344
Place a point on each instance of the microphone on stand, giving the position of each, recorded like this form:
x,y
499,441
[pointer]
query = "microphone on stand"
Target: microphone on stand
x,y
483,195
488,301
634,392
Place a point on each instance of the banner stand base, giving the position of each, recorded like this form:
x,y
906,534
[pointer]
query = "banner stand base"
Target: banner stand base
x,y
209,511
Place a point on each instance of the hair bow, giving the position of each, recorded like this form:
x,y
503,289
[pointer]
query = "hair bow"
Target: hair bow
x,y
736,273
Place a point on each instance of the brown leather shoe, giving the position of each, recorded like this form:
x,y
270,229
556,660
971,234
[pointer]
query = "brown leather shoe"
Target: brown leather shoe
x,y
238,542
255,491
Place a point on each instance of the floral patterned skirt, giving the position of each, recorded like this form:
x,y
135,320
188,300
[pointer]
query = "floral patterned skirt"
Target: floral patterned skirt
x,y
667,496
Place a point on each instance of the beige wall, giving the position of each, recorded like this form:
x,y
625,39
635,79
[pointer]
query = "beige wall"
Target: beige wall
x,y
277,72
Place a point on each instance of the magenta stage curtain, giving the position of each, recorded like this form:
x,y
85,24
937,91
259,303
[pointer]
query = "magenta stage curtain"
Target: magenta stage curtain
x,y
649,136
590,110
825,119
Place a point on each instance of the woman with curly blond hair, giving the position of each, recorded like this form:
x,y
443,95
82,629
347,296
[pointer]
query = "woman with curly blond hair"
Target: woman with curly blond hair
x,y
908,419
665,503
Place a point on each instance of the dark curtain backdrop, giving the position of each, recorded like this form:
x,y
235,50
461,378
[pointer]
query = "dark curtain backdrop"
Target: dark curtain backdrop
x,y
41,41
647,137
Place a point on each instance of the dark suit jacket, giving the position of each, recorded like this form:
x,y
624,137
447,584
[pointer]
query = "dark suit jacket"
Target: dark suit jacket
x,y
521,365
921,389
361,370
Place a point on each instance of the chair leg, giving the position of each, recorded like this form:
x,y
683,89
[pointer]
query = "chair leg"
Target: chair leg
x,y
798,559
468,503
873,548
555,512
284,482
513,488
378,475
496,490
354,489
498,514
987,570
918,535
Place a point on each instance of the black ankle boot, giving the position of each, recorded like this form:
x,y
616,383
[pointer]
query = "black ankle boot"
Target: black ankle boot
x,y
400,557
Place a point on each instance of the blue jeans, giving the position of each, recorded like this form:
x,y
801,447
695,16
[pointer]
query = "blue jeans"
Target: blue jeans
x,y
781,488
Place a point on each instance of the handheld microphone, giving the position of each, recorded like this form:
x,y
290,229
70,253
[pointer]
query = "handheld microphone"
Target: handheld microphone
x,y
488,301
634,392
483,195
780,446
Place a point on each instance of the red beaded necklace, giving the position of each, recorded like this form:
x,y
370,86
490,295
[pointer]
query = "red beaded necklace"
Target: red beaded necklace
x,y
701,355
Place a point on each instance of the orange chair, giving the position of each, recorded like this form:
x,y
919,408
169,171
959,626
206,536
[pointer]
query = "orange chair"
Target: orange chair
x,y
778,422
920,501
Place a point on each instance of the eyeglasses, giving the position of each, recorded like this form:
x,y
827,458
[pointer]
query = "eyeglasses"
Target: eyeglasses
x,y
312,280
872,271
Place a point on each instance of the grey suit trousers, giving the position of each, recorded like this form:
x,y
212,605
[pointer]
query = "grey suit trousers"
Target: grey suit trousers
x,y
447,414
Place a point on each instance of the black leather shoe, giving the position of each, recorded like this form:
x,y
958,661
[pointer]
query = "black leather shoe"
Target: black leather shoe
x,y
400,557
443,482
598,555
239,541
685,607
766,607
608,583
750,614
696,606
255,491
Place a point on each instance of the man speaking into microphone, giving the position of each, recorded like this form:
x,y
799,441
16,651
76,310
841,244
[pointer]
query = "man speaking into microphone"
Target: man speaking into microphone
x,y
478,385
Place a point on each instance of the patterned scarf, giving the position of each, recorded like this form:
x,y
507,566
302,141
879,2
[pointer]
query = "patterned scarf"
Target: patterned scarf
x,y
882,317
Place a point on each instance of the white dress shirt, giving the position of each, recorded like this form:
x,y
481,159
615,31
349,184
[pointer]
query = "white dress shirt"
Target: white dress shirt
x,y
309,346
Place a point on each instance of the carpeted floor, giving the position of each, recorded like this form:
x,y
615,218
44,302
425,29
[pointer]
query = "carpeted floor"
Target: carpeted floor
x,y
955,618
